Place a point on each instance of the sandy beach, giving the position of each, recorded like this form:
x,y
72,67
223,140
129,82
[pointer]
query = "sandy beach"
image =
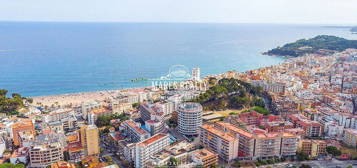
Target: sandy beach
x,y
77,98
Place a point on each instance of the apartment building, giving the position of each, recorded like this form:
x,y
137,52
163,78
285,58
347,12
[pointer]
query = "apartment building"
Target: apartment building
x,y
312,148
189,118
350,137
179,150
311,128
222,143
205,158
24,125
46,149
148,147
259,144
94,114
88,106
133,131
90,139
154,116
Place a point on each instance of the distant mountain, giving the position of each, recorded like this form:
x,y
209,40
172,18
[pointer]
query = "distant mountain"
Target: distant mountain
x,y
354,29
313,45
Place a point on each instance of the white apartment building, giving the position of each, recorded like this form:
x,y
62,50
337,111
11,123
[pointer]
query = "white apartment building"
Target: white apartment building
x,y
149,147
189,118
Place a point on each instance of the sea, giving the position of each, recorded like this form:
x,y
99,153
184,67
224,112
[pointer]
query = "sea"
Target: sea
x,y
49,58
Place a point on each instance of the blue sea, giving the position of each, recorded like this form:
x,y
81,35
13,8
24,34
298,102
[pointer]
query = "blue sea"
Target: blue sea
x,y
47,58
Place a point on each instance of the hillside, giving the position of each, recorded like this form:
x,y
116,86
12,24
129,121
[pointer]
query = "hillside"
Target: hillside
x,y
231,94
313,45
11,105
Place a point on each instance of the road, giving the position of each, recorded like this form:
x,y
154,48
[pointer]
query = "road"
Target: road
x,y
317,164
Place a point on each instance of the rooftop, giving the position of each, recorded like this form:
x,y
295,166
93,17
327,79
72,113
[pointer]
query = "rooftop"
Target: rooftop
x,y
153,139
203,154
226,136
133,125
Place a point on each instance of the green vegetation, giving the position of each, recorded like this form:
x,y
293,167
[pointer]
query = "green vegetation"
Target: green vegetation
x,y
172,122
105,120
260,110
302,156
173,162
9,165
267,162
313,45
333,151
233,113
10,106
231,94
236,164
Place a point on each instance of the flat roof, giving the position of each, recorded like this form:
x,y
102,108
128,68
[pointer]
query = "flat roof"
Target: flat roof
x,y
153,139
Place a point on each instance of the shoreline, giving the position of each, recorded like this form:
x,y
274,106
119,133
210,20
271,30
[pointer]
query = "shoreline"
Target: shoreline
x,y
101,95
78,98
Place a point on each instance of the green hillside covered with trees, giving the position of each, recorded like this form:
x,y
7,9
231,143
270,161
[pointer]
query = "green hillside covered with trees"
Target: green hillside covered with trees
x,y
313,45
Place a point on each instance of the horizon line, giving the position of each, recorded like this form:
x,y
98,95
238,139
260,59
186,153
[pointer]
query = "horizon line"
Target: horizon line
x,y
187,22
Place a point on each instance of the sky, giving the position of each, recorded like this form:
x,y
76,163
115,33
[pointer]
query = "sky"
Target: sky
x,y
212,11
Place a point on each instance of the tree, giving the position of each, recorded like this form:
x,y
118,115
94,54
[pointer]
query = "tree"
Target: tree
x,y
135,105
260,110
258,102
172,163
103,121
10,105
301,156
333,151
10,165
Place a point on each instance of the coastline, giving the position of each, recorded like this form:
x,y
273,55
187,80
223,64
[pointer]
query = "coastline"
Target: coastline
x,y
78,98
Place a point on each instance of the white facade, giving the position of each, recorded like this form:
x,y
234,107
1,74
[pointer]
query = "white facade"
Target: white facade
x,y
196,74
147,148
189,118
2,146
333,130
88,106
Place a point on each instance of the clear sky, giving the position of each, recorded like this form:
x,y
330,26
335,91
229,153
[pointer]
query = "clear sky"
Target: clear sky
x,y
251,11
